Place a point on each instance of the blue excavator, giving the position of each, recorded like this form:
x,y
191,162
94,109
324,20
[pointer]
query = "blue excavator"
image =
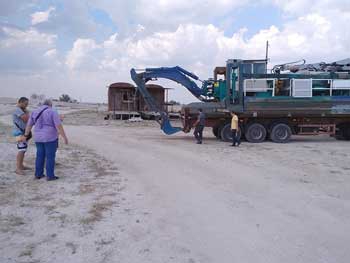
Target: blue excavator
x,y
176,74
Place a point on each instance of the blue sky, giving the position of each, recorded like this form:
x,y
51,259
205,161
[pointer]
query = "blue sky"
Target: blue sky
x,y
79,47
103,18
264,16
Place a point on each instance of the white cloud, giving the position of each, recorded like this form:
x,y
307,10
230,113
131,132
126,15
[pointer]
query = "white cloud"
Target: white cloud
x,y
80,56
177,32
26,51
31,37
165,15
52,53
43,16
302,7
140,28
308,36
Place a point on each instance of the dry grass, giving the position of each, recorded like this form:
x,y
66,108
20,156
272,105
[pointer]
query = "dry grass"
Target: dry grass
x,y
96,211
28,251
10,223
86,189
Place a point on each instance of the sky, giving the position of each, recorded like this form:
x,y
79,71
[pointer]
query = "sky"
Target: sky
x,y
79,47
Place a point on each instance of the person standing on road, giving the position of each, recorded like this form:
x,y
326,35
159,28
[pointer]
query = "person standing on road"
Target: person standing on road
x,y
235,129
20,118
199,126
47,127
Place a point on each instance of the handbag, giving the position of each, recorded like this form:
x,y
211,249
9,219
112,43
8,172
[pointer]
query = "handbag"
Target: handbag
x,y
30,135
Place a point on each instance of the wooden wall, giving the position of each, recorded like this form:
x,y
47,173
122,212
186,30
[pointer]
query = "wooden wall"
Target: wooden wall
x,y
121,97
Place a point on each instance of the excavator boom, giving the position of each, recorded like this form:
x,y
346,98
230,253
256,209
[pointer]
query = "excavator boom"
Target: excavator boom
x,y
176,74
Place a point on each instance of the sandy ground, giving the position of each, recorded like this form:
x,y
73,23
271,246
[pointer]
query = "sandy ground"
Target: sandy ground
x,y
59,221
130,194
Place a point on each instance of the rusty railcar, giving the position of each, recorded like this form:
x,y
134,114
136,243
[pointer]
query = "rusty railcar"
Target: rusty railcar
x,y
124,100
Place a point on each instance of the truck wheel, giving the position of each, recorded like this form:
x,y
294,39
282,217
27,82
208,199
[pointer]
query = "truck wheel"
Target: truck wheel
x,y
216,132
255,133
220,127
226,134
344,132
281,133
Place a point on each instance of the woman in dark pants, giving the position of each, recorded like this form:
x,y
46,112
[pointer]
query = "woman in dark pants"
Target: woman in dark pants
x,y
47,127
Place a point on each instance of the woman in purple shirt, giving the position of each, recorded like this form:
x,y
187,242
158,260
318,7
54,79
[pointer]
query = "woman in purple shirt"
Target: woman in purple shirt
x,y
47,127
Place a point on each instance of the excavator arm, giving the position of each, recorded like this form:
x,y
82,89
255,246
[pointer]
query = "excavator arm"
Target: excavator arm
x,y
176,74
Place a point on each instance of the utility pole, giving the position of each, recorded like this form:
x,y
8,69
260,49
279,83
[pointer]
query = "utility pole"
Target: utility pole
x,y
267,53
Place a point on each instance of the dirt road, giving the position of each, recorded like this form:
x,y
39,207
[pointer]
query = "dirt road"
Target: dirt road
x,y
214,203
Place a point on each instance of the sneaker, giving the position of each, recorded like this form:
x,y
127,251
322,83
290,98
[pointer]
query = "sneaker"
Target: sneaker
x,y
39,177
52,178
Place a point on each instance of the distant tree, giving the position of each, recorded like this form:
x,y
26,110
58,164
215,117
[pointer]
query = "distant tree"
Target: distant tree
x,y
65,98
34,96
173,102
41,97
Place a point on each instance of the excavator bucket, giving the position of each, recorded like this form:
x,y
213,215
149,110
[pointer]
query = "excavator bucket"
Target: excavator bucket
x,y
167,128
164,122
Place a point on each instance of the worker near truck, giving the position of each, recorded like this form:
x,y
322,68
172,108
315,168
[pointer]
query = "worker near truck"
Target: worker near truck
x,y
235,129
199,126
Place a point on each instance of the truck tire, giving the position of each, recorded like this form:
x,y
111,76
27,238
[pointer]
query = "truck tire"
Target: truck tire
x,y
344,132
280,133
220,127
216,132
255,133
226,134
